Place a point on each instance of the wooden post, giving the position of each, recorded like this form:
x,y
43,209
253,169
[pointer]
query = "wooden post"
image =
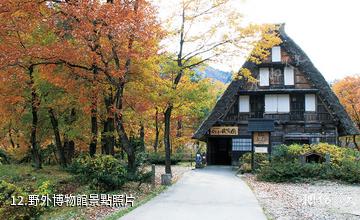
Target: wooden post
x,y
252,153
302,159
269,147
166,179
153,175
191,160
327,158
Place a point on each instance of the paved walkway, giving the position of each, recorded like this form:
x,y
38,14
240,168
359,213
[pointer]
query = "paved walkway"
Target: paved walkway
x,y
211,193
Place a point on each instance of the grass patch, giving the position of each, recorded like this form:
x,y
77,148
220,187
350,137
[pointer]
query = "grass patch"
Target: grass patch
x,y
26,176
61,213
122,212
29,179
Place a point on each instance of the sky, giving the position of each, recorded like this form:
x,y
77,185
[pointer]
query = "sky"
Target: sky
x,y
327,30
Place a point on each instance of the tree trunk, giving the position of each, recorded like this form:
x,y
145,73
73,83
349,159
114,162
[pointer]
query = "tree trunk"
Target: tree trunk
x,y
10,137
103,138
125,144
69,148
142,137
124,139
35,102
94,131
94,125
108,139
346,141
355,143
69,145
109,127
167,118
157,131
179,128
131,161
167,113
55,126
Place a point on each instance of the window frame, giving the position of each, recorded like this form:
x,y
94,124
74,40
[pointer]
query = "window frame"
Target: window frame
x,y
240,148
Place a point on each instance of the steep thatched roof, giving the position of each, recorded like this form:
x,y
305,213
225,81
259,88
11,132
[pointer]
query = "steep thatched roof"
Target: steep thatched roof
x,y
304,64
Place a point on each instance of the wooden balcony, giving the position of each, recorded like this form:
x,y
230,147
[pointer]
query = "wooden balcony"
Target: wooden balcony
x,y
292,116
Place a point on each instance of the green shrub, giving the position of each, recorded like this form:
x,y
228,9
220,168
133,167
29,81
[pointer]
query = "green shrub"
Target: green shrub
x,y
294,151
295,171
155,158
159,158
48,154
140,176
102,172
9,192
259,159
288,153
310,170
8,211
285,166
45,188
4,157
349,171
280,172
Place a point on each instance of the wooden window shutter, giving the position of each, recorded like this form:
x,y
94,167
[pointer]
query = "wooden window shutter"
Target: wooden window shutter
x,y
310,102
270,103
264,76
276,54
283,103
289,76
244,103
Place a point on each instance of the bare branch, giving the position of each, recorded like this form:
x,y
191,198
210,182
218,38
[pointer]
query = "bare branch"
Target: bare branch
x,y
206,50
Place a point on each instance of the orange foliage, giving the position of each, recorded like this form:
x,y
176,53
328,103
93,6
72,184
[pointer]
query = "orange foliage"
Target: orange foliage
x,y
348,92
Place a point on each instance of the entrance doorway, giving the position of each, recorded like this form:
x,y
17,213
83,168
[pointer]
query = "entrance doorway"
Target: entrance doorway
x,y
219,151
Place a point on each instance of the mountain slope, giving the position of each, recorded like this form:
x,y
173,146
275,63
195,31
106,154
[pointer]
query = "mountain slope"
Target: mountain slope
x,y
216,74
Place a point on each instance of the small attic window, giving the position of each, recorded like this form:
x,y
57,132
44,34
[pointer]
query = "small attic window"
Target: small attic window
x,y
276,54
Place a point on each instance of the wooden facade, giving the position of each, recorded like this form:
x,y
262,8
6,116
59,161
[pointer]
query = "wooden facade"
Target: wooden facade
x,y
291,92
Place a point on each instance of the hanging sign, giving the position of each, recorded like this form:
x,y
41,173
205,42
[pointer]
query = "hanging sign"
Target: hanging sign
x,y
261,138
224,130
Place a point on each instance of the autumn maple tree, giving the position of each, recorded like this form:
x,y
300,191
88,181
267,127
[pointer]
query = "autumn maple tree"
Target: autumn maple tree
x,y
112,36
348,92
26,44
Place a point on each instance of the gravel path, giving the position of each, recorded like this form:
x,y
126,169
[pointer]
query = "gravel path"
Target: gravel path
x,y
317,200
